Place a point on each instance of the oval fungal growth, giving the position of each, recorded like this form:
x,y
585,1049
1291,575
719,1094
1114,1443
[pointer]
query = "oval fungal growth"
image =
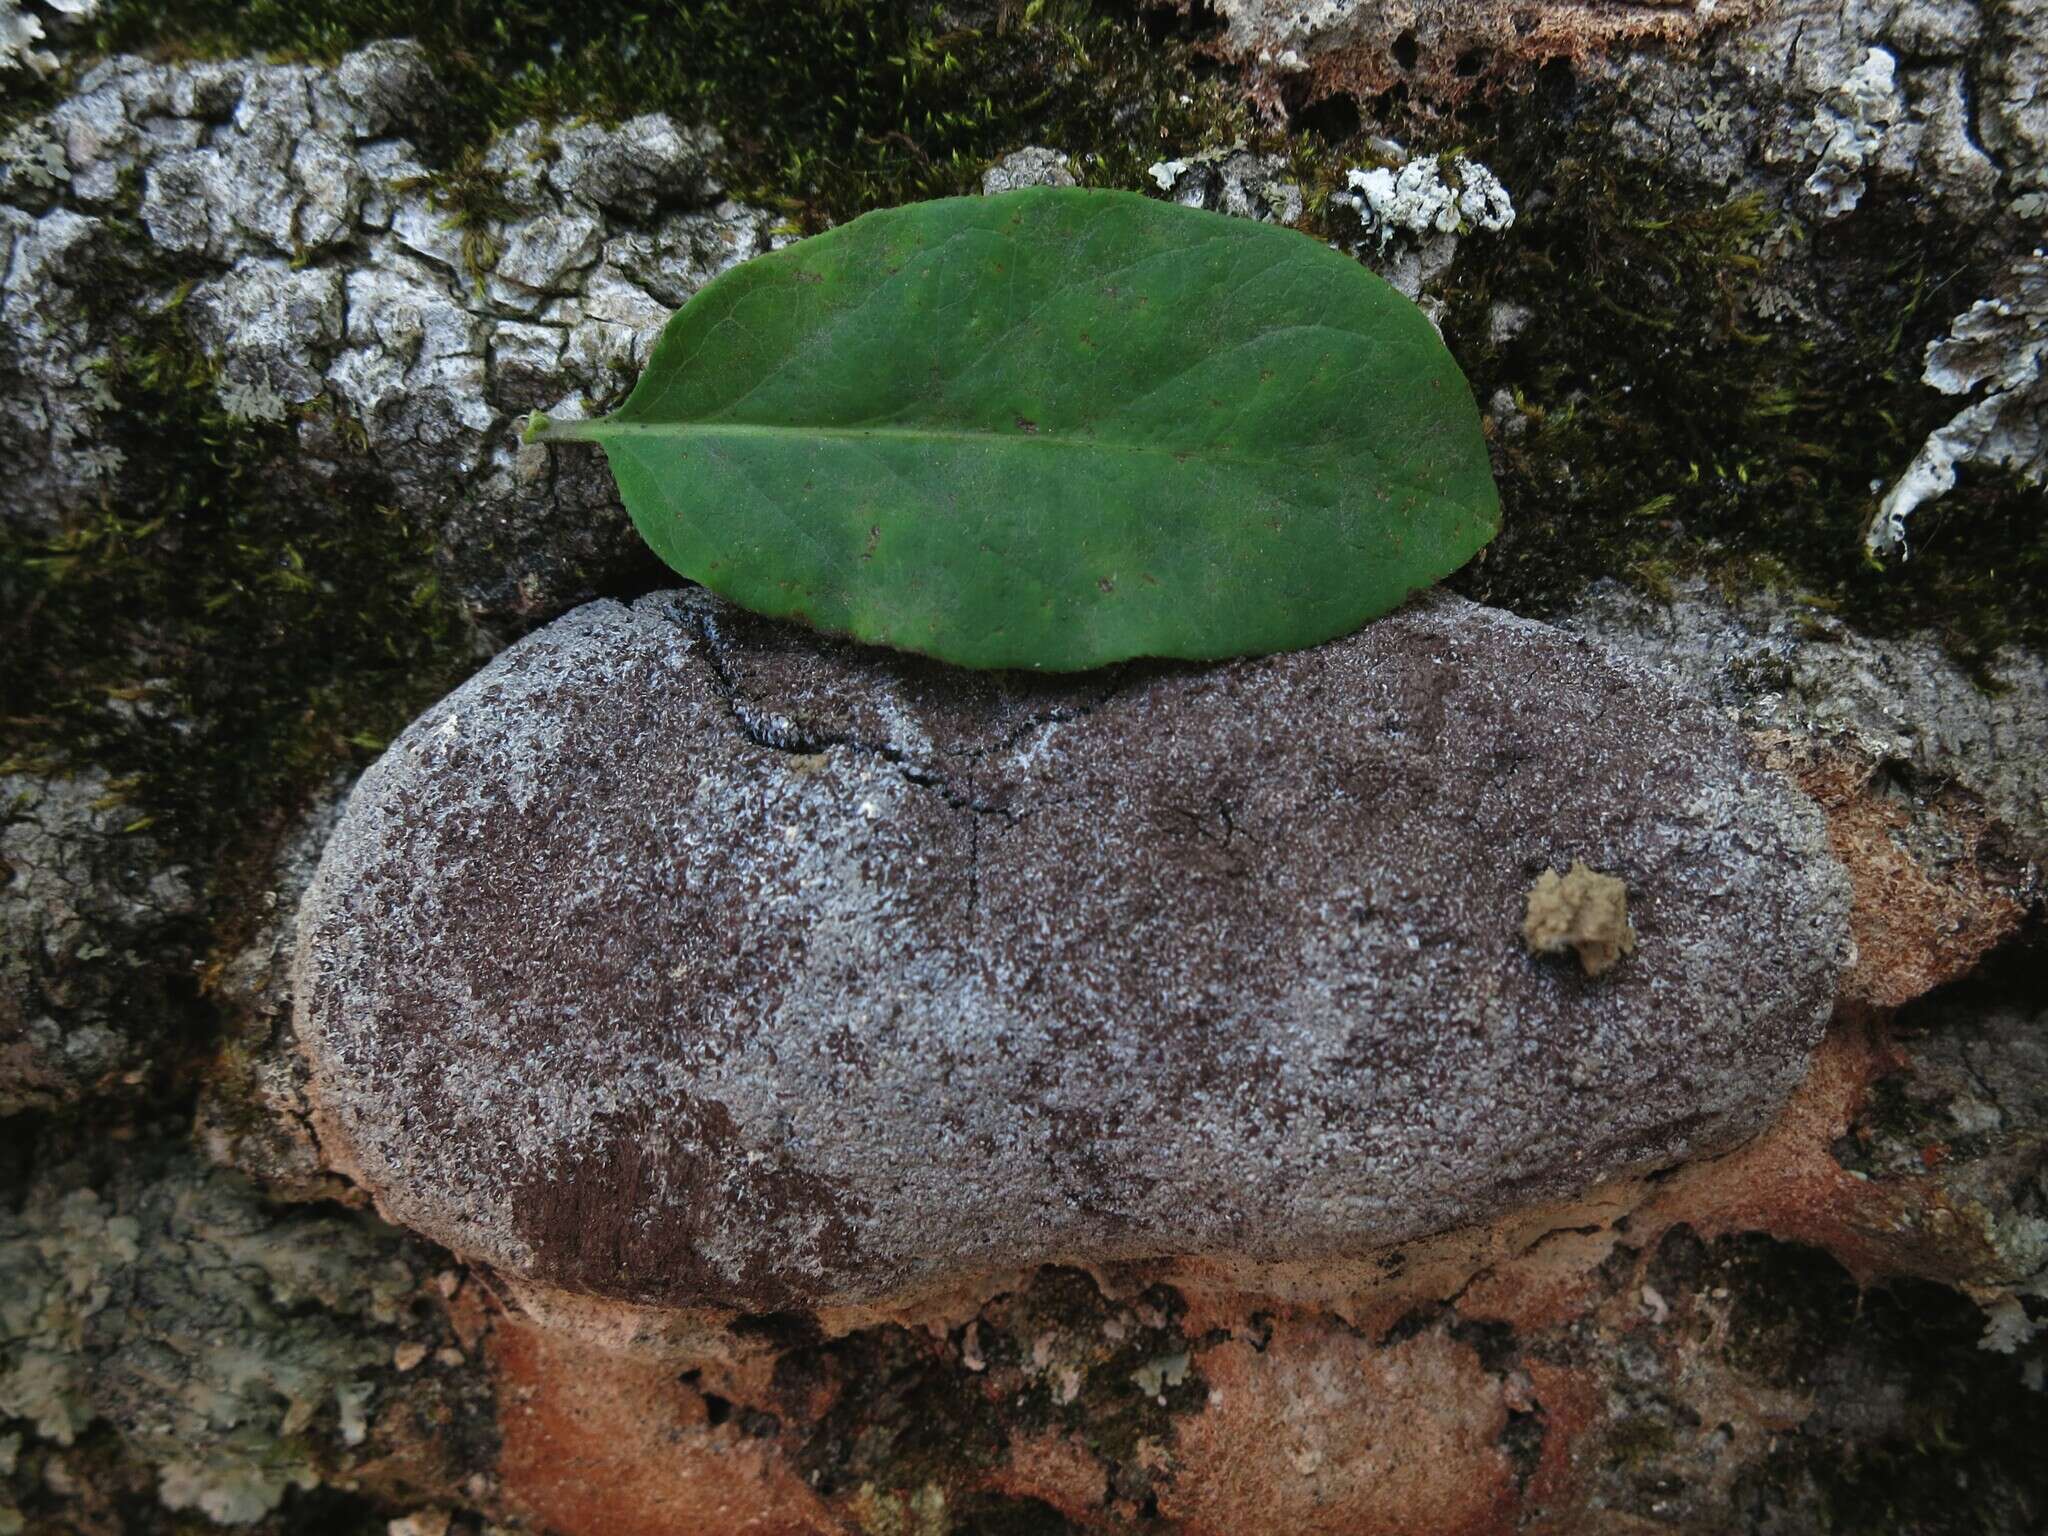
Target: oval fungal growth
x,y
1054,429
686,959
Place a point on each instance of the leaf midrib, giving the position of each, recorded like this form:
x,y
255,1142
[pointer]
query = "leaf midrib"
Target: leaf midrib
x,y
597,431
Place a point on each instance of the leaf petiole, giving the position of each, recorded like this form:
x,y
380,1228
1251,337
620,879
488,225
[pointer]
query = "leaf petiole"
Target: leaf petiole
x,y
541,429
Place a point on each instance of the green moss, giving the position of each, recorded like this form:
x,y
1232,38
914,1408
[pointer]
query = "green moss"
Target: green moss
x,y
218,646
26,97
911,1425
1670,430
920,1511
471,197
827,110
1898,1131
1637,1439
1786,1309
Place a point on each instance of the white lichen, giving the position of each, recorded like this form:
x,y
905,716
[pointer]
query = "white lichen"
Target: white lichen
x,y
1160,1372
2007,1328
256,1345
20,31
1427,196
1165,172
1415,210
53,1281
1999,345
19,34
238,1492
1032,166
1849,129
1232,180
100,461
251,401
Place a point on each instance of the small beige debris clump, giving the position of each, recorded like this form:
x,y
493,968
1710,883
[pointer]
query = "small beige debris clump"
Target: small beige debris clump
x,y
1581,909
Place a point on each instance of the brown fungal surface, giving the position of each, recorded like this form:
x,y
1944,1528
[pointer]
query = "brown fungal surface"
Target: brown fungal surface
x,y
687,960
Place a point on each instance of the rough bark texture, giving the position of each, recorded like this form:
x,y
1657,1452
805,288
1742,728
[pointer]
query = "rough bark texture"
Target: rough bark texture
x,y
1747,290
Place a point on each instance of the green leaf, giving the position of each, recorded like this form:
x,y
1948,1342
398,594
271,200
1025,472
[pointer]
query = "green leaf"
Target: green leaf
x,y
1054,429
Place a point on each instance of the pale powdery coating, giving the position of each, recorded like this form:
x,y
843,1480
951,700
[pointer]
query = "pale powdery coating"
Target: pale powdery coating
x,y
685,958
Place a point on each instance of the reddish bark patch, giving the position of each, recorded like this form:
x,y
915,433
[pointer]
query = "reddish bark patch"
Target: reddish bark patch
x,y
1443,52
1323,1434
1935,890
601,1444
1788,1183
1570,1401
1055,1470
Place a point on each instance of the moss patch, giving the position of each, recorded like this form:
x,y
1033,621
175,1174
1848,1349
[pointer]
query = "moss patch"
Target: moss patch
x,y
914,1428
220,649
827,110
1672,426
906,1424
1109,1375
1894,1419
1669,425
217,647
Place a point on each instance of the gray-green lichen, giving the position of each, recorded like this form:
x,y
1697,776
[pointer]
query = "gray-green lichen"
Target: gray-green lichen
x,y
1783,664
337,285
1963,1120
29,29
88,902
233,1347
1935,100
